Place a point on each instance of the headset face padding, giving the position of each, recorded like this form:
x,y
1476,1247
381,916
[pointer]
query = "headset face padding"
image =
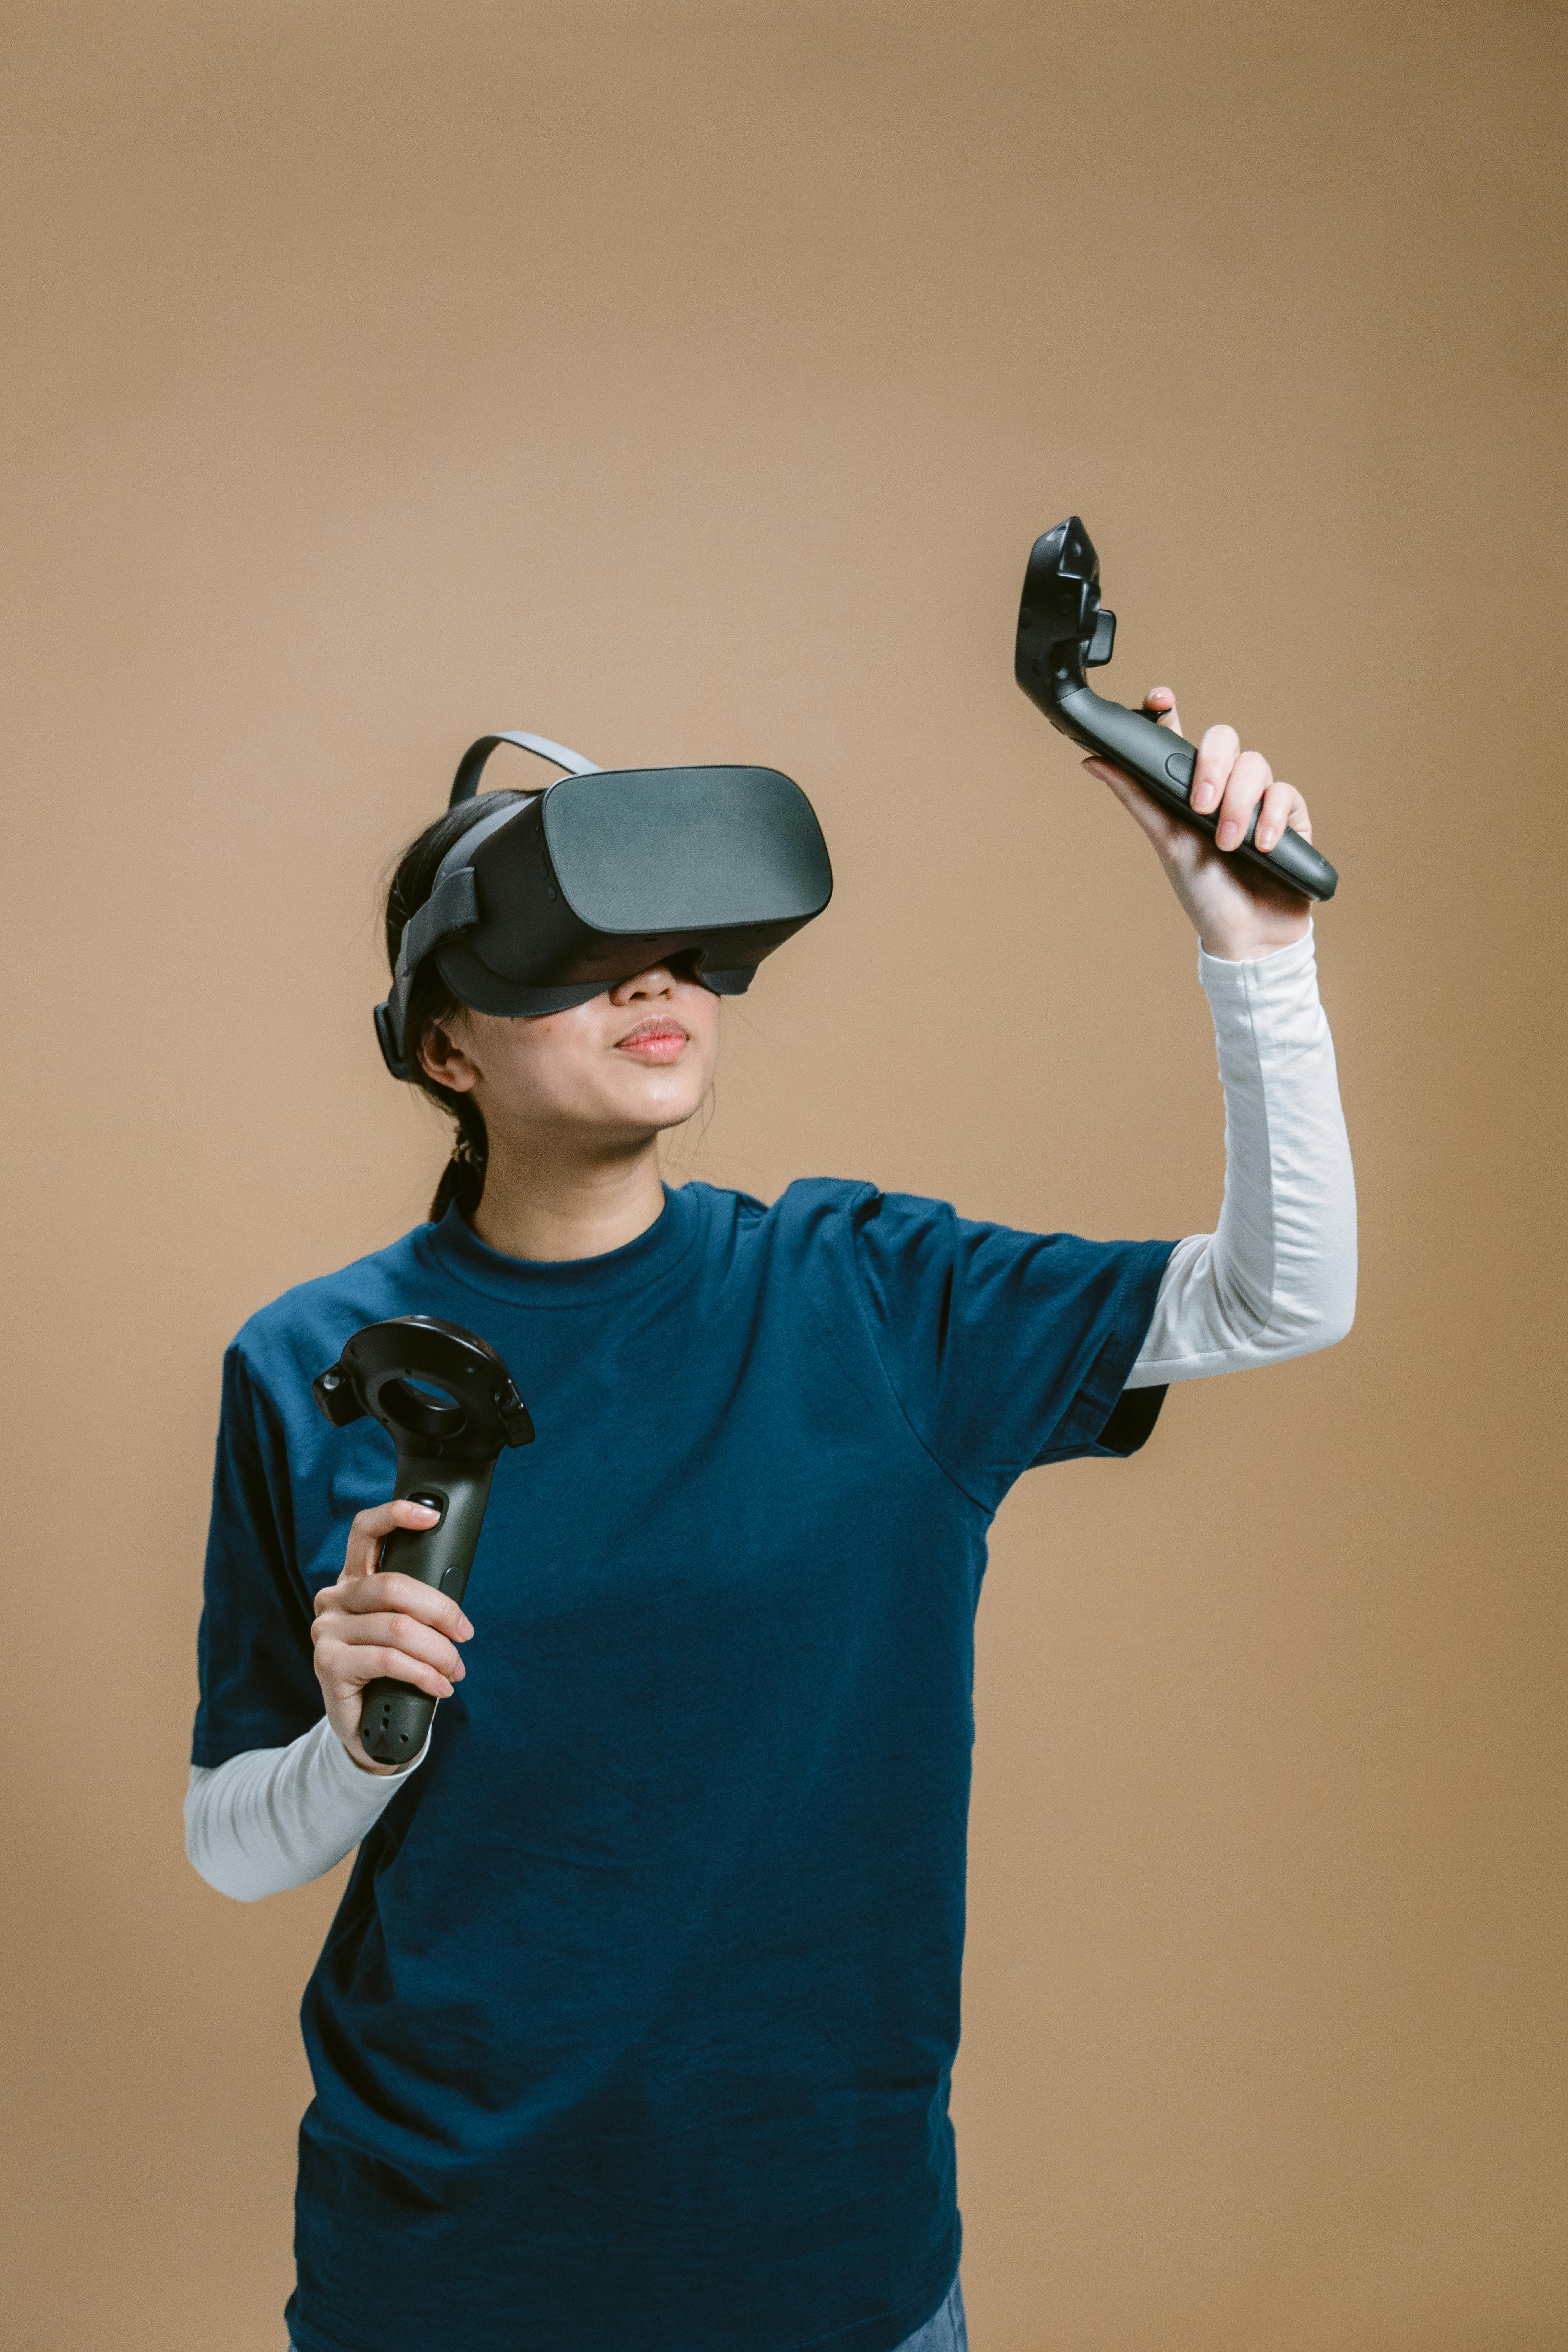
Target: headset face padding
x,y
607,872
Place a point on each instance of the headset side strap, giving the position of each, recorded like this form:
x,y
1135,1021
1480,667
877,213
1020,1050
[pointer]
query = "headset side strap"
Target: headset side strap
x,y
452,906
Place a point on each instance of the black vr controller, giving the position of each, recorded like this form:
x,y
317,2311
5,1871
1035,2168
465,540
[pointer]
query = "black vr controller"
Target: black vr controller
x,y
448,1405
1063,630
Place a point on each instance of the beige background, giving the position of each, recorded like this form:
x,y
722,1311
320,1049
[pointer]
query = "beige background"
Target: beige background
x,y
688,380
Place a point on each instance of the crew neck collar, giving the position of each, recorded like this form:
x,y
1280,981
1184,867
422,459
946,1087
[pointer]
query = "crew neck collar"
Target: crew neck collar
x,y
456,1250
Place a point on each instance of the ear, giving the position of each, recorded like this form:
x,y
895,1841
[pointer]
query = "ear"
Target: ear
x,y
442,1058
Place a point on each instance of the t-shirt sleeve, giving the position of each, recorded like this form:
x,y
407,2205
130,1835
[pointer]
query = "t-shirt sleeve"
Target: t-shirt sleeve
x,y
1006,1350
258,1687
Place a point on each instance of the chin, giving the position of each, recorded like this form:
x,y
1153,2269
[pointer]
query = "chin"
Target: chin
x,y
657,1100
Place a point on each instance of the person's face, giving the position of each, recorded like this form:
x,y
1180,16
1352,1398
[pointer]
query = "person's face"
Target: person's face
x,y
622,1067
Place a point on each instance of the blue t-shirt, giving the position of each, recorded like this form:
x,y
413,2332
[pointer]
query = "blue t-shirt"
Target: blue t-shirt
x,y
634,2030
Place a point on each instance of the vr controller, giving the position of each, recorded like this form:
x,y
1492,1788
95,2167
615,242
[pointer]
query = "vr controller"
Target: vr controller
x,y
448,1403
1063,630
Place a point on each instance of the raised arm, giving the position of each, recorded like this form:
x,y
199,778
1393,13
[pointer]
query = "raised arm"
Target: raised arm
x,y
1276,1277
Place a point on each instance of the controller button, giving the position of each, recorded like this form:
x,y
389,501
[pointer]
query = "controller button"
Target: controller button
x,y
1179,767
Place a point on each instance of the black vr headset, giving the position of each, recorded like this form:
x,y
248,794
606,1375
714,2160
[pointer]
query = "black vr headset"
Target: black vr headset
x,y
549,902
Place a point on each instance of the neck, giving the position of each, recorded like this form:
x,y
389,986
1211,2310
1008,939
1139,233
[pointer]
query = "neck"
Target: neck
x,y
547,1202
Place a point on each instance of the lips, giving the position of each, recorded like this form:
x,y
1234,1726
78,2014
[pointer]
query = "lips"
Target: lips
x,y
656,1040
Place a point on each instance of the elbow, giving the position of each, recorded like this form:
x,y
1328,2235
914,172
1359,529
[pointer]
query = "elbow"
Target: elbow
x,y
212,1874
236,1894
237,1888
1308,1331
235,1881
1339,1325
1335,1315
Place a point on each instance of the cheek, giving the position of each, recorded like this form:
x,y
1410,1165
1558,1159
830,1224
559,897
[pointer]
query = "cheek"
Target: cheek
x,y
537,1063
705,1021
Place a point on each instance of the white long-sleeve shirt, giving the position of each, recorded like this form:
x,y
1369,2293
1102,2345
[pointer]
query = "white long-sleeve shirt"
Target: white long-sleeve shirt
x,y
1277,1277
1275,1280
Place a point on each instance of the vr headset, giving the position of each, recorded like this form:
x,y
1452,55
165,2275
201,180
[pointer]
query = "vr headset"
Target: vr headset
x,y
552,900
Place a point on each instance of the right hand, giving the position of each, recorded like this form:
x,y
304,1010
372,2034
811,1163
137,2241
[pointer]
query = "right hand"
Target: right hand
x,y
1236,911
369,1625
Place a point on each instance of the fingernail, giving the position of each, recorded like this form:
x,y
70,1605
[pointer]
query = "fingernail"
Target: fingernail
x,y
1264,837
1203,799
1229,834
461,1671
426,1512
465,1631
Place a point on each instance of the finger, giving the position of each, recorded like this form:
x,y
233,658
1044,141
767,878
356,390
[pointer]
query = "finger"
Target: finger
x,y
349,1670
389,1589
1160,702
371,1529
1281,805
389,1629
1249,779
1127,791
1168,833
1216,755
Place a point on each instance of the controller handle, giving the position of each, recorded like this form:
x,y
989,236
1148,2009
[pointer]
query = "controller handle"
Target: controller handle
x,y
448,1403
1063,630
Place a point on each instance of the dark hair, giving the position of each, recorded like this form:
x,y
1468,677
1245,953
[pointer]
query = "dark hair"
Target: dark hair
x,y
431,1003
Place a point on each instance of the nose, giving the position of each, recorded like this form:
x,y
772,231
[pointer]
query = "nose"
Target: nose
x,y
658,980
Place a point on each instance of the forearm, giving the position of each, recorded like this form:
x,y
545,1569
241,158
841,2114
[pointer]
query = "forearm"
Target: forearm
x,y
278,1817
1276,1277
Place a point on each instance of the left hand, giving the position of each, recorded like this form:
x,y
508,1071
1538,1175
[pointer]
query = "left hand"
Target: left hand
x,y
1237,912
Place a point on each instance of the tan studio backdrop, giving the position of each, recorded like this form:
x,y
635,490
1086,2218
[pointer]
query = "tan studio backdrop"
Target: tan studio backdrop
x,y
686,379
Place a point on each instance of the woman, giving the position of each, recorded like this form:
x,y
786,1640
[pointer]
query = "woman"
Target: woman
x,y
634,2030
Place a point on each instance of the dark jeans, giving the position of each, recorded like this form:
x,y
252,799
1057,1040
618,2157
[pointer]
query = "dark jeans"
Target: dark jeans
x,y
946,2332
